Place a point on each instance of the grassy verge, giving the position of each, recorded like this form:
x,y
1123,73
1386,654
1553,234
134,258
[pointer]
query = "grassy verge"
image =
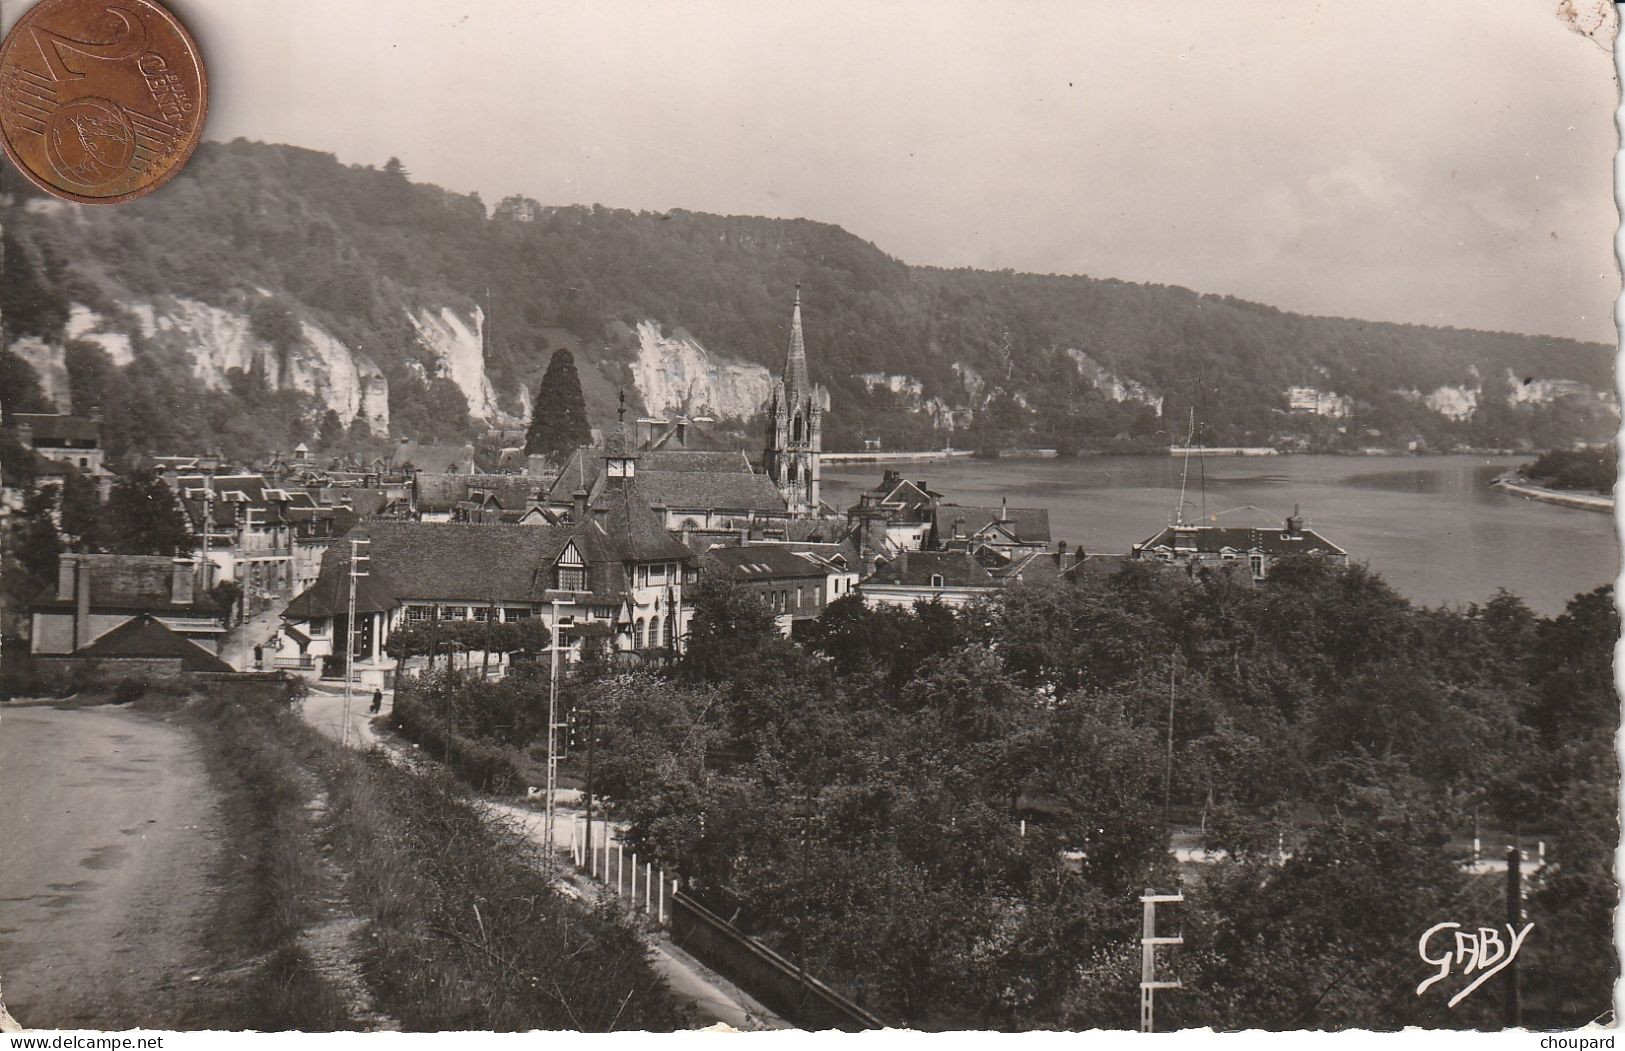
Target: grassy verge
x,y
458,928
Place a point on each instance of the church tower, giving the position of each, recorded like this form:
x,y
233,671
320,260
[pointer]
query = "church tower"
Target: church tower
x,y
795,426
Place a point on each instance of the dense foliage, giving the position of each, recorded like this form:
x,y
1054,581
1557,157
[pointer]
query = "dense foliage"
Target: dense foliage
x,y
1593,468
859,802
284,235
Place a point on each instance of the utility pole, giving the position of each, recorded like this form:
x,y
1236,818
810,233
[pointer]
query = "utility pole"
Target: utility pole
x,y
357,570
1515,920
592,739
553,726
1149,940
1168,765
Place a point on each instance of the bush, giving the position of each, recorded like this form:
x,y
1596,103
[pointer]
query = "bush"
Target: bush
x,y
487,767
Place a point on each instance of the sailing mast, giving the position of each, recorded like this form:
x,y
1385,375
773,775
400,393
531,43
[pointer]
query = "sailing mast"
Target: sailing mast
x,y
1184,476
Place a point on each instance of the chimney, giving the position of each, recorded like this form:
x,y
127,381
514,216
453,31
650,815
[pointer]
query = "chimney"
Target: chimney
x,y
1060,552
1294,524
81,603
890,477
959,527
923,484
180,580
66,566
579,506
1004,509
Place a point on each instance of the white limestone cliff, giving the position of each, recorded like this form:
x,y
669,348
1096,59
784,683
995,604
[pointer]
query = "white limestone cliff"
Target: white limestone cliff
x,y
675,373
459,344
1112,385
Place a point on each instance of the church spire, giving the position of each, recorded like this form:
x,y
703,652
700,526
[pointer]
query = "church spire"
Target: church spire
x,y
795,365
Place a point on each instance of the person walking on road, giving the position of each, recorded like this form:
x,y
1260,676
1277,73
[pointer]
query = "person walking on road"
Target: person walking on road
x,y
377,701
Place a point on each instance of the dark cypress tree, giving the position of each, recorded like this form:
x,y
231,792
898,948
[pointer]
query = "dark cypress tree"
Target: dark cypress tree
x,y
558,415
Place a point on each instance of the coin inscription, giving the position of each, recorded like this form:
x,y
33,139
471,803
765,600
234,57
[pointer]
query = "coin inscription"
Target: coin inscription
x,y
100,100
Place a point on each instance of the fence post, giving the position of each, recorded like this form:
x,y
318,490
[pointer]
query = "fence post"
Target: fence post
x,y
648,888
662,897
632,888
620,866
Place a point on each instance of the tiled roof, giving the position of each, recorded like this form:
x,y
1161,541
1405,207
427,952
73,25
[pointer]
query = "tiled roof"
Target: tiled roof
x,y
585,463
513,492
144,636
329,596
762,562
634,531
916,568
1029,525
445,560
719,490
694,438
1213,540
132,583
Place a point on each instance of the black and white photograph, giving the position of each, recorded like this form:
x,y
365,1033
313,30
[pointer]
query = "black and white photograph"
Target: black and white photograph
x,y
647,516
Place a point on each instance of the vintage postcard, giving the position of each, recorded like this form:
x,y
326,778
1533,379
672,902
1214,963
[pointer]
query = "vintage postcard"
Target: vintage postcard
x,y
943,515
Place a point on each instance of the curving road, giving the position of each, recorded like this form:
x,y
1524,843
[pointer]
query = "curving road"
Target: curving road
x,y
108,838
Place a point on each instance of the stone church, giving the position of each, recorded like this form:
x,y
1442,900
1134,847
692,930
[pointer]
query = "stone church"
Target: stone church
x,y
795,411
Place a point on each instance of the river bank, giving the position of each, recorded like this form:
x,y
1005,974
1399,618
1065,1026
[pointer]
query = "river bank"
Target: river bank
x,y
1517,485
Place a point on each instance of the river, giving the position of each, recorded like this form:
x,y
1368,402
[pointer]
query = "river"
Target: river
x,y
1430,525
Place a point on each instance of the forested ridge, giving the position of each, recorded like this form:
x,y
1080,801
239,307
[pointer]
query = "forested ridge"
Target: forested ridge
x,y
286,234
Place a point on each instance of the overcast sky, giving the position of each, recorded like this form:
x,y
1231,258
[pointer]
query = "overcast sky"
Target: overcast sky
x,y
1447,163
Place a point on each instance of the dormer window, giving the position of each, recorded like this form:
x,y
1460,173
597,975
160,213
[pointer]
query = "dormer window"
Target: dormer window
x,y
620,466
936,580
572,571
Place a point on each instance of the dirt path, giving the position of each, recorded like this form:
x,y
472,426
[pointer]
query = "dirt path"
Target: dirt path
x,y
109,832
712,998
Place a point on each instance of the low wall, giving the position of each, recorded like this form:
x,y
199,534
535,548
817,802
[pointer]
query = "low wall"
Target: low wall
x,y
766,975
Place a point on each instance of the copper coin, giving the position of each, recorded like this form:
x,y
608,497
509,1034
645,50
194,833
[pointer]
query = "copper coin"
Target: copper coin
x,y
100,100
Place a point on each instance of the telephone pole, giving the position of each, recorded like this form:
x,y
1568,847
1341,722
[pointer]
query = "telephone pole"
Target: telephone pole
x,y
1149,940
1515,920
553,726
357,570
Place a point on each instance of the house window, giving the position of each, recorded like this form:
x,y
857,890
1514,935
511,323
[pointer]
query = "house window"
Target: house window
x,y
517,614
657,574
318,628
936,580
665,637
654,631
643,576
1258,565
456,613
572,578
798,596
640,637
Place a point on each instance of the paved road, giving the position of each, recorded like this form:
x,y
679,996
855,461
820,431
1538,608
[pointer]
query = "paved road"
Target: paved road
x,y
108,832
323,708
